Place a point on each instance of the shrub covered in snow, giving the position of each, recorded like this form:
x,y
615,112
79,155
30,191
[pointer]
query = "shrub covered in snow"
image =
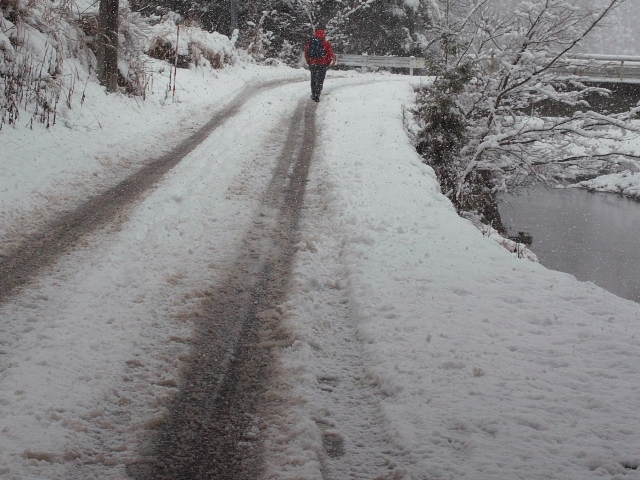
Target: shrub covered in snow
x,y
47,47
195,46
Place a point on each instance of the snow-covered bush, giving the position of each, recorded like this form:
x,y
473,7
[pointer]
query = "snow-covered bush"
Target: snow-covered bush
x,y
497,141
47,47
35,39
132,40
260,40
195,46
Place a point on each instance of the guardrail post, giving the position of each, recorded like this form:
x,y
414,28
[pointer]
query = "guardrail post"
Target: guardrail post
x,y
621,70
363,67
412,64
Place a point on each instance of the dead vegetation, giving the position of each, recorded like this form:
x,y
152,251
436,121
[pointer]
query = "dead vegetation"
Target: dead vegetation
x,y
195,47
46,48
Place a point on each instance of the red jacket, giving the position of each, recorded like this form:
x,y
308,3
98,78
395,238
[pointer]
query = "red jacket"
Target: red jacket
x,y
329,57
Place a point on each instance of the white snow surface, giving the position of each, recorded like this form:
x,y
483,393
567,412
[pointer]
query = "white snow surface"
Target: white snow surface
x,y
165,31
625,183
107,137
428,349
421,349
92,348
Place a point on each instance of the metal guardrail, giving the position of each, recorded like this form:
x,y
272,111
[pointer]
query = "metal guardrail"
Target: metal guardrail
x,y
597,56
593,67
607,68
364,61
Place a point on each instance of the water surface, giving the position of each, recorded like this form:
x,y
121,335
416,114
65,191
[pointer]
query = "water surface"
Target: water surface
x,y
593,236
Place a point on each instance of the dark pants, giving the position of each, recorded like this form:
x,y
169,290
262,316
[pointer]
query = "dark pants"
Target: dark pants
x,y
317,78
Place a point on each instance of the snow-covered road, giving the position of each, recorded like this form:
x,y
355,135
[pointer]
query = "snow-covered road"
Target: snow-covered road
x,y
52,238
211,427
407,345
93,348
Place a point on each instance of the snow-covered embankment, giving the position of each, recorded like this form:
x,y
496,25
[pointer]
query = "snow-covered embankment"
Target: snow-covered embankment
x,y
624,183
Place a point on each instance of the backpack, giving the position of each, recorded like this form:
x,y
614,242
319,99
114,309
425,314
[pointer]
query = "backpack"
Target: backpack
x,y
316,48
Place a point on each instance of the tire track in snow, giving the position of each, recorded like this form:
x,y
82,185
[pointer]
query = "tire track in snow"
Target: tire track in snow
x,y
211,430
17,267
326,418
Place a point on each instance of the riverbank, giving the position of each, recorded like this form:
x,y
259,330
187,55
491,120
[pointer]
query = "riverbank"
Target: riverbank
x,y
625,183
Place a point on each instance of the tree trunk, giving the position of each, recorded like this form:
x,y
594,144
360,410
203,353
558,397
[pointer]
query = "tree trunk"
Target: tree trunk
x,y
233,20
108,44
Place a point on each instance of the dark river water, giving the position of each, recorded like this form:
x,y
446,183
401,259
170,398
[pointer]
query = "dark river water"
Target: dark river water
x,y
593,236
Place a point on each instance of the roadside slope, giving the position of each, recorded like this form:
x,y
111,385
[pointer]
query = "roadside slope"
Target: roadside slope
x,y
478,364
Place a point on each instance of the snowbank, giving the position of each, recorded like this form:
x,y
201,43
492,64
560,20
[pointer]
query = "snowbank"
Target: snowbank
x,y
626,183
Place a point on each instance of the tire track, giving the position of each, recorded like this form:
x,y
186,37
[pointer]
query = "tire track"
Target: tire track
x,y
18,266
211,427
327,375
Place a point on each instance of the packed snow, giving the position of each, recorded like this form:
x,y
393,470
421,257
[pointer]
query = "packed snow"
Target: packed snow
x,y
90,350
107,137
421,347
477,364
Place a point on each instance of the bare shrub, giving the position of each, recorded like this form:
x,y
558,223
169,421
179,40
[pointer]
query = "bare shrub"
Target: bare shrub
x,y
35,39
165,50
45,47
25,83
161,49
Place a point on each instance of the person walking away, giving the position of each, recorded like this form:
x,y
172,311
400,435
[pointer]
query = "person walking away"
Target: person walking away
x,y
319,56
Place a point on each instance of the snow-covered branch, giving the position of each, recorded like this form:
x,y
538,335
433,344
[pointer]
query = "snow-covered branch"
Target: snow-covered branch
x,y
498,72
